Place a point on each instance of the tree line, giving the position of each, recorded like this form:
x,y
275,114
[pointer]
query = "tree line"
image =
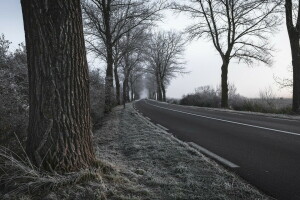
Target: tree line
x,y
59,33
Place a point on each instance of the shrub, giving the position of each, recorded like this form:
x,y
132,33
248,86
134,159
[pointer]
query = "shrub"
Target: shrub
x,y
96,97
13,93
207,96
204,96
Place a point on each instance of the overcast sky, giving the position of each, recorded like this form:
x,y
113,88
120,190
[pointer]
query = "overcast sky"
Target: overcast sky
x,y
203,62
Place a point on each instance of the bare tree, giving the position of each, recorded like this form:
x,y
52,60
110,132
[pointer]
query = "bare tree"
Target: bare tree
x,y
59,132
292,11
107,22
165,60
237,28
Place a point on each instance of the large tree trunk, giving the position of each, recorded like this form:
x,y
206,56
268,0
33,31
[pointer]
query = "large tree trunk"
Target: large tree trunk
x,y
294,40
59,131
294,36
296,85
109,78
224,84
117,82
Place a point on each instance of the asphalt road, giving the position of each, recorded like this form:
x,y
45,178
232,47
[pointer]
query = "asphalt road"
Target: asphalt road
x,y
265,151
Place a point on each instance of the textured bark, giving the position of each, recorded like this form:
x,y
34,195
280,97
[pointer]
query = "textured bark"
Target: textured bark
x,y
59,132
109,79
294,36
224,84
109,84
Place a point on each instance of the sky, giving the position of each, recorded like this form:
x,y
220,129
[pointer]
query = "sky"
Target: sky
x,y
202,60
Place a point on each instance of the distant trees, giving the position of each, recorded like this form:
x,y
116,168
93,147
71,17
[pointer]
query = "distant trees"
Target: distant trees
x,y
132,47
106,22
238,29
164,57
59,132
292,11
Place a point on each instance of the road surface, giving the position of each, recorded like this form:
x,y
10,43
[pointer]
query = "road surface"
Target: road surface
x,y
263,150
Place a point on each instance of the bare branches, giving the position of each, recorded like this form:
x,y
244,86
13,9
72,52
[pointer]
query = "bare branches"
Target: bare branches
x,y
109,21
237,28
164,57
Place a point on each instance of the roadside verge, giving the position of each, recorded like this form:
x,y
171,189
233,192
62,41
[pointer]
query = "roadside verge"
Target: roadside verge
x,y
159,166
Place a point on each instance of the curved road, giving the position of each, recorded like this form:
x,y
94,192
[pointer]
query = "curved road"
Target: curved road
x,y
263,150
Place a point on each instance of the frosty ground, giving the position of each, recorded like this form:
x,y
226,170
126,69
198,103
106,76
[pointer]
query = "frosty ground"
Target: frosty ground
x,y
161,167
138,160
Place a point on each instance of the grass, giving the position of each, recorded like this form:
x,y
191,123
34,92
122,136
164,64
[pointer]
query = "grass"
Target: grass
x,y
164,166
138,161
21,179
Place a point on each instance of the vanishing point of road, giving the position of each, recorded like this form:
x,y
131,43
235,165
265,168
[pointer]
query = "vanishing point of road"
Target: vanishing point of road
x,y
264,150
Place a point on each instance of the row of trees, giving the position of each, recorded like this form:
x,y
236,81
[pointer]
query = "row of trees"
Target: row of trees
x,y
241,30
118,32
115,31
59,132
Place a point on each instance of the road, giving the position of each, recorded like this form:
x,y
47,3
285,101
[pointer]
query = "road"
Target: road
x,y
263,150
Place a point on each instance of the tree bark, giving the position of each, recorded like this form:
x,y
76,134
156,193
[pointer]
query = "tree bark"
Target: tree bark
x,y
224,83
109,84
59,131
294,35
117,82
294,40
109,79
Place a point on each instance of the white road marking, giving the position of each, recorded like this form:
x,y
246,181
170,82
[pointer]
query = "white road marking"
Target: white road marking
x,y
213,155
227,121
236,112
162,127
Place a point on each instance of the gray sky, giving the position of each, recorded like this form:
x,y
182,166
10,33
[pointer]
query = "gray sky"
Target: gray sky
x,y
202,60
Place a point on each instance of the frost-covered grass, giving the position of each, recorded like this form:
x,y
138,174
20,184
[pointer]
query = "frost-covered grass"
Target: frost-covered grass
x,y
137,161
163,167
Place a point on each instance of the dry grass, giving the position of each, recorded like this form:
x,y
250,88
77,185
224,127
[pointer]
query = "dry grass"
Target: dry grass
x,y
21,179
138,162
162,166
